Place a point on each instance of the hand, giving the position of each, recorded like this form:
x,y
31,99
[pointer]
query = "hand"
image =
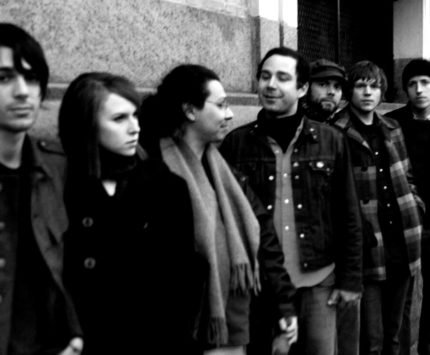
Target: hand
x,y
74,348
342,298
289,328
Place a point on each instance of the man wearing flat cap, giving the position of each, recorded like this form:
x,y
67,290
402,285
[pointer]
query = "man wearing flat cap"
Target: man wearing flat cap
x,y
325,89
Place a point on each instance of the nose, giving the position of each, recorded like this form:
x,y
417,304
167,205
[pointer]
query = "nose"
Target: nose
x,y
367,90
419,87
331,90
228,114
134,127
21,86
271,82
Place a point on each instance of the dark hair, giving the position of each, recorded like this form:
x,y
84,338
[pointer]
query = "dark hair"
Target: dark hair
x,y
415,67
366,70
162,114
77,120
302,67
25,47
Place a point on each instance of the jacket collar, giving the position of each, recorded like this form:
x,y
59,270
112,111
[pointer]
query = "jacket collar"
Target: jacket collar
x,y
309,130
37,164
345,123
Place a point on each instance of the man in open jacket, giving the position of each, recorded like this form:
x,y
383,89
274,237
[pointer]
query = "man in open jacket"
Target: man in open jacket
x,y
300,169
35,314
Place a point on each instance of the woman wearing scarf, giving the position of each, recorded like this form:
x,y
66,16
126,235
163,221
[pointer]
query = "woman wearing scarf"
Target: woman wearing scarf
x,y
182,123
129,250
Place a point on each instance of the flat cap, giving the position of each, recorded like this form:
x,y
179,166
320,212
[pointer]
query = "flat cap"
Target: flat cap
x,y
324,68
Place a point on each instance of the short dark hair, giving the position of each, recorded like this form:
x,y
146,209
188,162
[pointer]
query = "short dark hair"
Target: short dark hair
x,y
302,67
77,120
162,114
418,66
366,70
25,47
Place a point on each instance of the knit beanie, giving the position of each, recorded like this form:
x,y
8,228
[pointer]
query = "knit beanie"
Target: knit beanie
x,y
414,68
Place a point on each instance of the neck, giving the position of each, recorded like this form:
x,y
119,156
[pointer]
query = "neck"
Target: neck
x,y
11,145
365,117
281,115
421,114
195,143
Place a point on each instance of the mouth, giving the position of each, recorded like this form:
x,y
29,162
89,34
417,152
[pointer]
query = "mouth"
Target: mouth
x,y
21,109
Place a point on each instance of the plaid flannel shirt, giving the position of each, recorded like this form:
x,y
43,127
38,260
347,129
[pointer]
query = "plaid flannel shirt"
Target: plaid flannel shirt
x,y
405,192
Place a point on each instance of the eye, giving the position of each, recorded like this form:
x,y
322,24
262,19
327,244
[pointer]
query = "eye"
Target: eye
x,y
283,77
6,77
265,75
119,118
31,77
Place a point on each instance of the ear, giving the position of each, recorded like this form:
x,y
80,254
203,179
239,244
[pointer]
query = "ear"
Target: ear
x,y
188,110
302,90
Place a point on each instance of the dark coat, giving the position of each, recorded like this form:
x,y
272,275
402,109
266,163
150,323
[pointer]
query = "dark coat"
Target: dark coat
x,y
48,223
131,265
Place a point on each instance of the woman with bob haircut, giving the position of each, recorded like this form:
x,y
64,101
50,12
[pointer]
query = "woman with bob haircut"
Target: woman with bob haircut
x,y
182,124
129,250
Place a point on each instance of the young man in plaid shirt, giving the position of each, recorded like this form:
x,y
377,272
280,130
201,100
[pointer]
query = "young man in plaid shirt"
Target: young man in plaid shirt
x,y
390,208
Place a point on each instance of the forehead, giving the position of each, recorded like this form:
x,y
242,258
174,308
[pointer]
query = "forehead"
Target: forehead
x,y
7,60
280,63
419,78
333,81
215,89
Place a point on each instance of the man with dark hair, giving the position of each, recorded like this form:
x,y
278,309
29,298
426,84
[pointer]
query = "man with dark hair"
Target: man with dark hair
x,y
390,208
301,171
414,119
35,313
325,89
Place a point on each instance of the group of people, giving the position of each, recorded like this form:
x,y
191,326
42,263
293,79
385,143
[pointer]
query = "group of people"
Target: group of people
x,y
151,228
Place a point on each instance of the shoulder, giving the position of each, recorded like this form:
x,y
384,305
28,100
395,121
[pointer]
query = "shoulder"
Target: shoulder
x,y
47,146
155,170
323,129
403,112
390,122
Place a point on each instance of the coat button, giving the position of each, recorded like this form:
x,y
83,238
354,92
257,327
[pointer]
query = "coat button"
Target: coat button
x,y
302,235
87,222
299,206
271,178
89,263
269,207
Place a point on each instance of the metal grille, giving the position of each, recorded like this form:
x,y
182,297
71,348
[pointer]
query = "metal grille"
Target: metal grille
x,y
365,32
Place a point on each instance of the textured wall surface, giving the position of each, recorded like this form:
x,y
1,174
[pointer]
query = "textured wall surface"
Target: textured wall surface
x,y
141,39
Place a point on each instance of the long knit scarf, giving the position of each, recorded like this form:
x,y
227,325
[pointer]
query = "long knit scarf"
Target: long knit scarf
x,y
240,228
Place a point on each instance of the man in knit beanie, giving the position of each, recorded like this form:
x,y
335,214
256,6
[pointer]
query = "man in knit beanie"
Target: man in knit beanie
x,y
414,118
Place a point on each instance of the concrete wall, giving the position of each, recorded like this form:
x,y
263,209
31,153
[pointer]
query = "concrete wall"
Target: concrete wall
x,y
140,39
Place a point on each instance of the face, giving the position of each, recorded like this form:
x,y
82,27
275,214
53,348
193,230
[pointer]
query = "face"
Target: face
x,y
366,95
20,94
326,94
277,86
118,126
418,90
210,123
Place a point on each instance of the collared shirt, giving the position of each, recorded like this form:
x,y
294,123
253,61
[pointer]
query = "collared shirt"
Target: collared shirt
x,y
284,219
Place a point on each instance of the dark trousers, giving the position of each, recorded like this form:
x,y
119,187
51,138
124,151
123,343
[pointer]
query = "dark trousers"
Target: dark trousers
x,y
382,309
348,329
